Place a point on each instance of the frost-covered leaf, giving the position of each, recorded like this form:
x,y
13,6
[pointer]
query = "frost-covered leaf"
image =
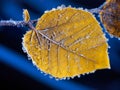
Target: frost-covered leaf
x,y
68,42
110,17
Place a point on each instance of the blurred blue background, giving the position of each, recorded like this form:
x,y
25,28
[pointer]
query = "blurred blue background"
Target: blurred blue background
x,y
16,71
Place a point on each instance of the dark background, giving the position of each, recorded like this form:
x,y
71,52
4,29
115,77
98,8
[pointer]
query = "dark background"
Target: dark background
x,y
16,71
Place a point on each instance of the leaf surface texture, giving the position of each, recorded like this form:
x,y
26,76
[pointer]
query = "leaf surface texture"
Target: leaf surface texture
x,y
69,42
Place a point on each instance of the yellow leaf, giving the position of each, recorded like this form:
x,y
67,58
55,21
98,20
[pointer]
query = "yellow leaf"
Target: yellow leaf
x,y
68,42
26,15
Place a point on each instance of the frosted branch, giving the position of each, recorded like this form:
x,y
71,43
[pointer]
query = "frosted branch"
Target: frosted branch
x,y
15,23
97,10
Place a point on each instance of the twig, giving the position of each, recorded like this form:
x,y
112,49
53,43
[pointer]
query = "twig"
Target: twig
x,y
15,23
97,10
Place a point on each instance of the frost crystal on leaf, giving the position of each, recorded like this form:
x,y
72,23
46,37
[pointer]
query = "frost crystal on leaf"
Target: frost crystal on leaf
x,y
67,42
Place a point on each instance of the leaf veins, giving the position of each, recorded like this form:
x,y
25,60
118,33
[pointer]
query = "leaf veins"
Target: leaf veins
x,y
68,42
